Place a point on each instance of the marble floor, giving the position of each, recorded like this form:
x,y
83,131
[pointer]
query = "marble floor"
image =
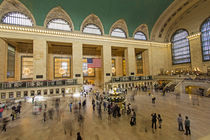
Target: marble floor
x,y
65,125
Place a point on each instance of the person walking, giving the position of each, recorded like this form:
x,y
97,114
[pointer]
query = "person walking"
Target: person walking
x,y
180,123
79,136
70,107
80,105
4,127
1,112
94,106
44,116
18,108
153,100
187,126
159,120
104,106
154,120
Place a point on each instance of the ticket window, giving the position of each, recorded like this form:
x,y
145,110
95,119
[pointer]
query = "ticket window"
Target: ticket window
x,y
25,93
38,92
18,94
63,90
3,95
45,92
57,91
51,91
11,95
32,93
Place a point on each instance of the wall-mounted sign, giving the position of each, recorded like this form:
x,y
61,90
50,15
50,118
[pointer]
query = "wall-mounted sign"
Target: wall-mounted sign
x,y
108,74
77,75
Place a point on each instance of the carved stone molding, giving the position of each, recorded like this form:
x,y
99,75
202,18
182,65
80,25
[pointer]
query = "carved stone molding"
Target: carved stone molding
x,y
15,6
92,19
119,24
142,28
58,13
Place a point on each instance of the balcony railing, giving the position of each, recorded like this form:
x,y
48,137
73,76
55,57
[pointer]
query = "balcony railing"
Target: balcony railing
x,y
35,84
130,78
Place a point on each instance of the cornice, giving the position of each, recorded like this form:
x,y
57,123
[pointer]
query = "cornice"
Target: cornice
x,y
74,35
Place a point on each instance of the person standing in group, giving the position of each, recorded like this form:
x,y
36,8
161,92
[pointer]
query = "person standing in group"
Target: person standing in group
x,y
154,120
180,123
78,136
187,126
159,120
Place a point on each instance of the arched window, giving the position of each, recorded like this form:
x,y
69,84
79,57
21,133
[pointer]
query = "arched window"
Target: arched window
x,y
180,47
117,32
140,36
205,39
92,29
59,24
16,18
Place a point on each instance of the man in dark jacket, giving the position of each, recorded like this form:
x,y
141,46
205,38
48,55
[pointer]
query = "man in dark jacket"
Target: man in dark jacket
x,y
154,120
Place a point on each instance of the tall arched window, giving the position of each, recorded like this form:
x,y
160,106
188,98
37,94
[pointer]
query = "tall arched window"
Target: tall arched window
x,y
16,18
205,39
59,24
92,29
180,47
117,32
140,36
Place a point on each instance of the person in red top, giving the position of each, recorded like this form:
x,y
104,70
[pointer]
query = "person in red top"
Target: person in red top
x,y
1,112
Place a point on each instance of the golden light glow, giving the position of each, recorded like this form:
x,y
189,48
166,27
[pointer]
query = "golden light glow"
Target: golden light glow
x,y
90,70
113,70
26,71
62,71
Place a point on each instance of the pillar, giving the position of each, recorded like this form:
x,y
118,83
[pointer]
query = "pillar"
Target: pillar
x,y
77,62
130,59
107,63
196,53
40,51
3,60
146,63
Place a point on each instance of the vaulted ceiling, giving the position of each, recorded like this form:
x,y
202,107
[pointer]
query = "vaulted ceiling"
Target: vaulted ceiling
x,y
134,12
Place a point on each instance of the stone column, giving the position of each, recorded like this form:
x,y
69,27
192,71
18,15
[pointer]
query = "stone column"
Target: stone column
x,y
77,62
3,60
146,63
196,53
40,52
107,63
130,59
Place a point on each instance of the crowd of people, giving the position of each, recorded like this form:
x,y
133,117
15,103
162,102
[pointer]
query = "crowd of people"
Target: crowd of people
x,y
102,107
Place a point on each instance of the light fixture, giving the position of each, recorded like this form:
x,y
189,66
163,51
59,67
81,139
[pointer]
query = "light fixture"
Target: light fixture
x,y
26,71
90,70
62,71
113,70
